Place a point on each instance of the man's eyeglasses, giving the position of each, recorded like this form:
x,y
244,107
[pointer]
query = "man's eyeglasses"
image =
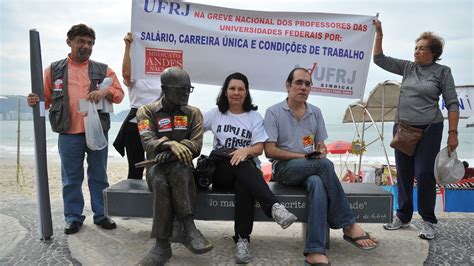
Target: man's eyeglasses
x,y
301,83
182,88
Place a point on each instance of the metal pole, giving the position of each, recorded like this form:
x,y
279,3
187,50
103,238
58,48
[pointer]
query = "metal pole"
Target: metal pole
x,y
383,109
18,145
362,143
383,139
45,225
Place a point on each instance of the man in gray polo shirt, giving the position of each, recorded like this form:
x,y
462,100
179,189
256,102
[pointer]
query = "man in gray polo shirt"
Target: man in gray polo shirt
x,y
296,132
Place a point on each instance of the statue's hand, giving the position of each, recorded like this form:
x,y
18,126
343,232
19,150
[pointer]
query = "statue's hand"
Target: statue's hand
x,y
182,152
162,157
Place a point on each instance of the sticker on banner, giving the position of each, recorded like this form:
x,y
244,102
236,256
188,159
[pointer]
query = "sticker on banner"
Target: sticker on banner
x,y
180,122
157,60
164,124
144,126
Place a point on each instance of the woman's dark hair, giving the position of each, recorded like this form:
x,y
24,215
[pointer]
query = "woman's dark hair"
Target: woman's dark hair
x,y
80,30
290,76
435,44
222,101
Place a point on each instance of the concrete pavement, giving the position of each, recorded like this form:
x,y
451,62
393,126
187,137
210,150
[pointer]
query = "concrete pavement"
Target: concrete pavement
x,y
270,245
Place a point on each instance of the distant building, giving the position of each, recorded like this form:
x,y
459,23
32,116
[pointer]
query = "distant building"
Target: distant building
x,y
13,115
26,116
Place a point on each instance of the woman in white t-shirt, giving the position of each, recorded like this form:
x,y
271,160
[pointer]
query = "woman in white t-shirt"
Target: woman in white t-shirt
x,y
236,125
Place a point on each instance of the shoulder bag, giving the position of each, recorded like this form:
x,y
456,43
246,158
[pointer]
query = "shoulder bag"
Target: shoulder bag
x,y
407,137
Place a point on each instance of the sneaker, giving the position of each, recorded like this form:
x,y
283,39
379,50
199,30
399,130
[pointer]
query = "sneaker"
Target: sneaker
x,y
242,252
396,224
282,216
427,230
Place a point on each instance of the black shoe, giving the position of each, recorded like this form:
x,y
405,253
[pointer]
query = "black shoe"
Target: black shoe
x,y
107,224
157,256
72,227
197,243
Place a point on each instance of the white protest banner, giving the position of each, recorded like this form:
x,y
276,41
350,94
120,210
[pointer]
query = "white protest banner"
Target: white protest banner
x,y
466,102
212,42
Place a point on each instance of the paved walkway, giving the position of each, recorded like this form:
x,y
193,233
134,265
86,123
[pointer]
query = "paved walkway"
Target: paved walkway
x,y
270,245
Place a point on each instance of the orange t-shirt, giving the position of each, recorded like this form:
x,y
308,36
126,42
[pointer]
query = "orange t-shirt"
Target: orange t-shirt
x,y
78,88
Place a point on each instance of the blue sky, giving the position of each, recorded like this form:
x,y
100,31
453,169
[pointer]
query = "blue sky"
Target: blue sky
x,y
402,21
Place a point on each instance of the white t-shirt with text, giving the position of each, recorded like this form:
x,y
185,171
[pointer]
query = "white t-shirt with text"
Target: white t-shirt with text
x,y
235,130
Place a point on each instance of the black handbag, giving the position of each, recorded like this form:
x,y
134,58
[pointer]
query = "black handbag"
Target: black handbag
x,y
206,166
204,172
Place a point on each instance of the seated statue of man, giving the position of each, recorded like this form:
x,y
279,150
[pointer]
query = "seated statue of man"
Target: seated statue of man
x,y
171,133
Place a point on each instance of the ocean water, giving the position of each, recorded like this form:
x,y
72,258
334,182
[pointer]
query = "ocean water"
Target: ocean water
x,y
8,139
374,154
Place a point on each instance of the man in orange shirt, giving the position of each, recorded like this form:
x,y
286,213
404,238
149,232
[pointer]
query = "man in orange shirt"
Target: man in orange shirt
x,y
65,83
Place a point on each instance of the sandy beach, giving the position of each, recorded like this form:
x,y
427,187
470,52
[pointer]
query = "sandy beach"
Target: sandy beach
x,y
116,170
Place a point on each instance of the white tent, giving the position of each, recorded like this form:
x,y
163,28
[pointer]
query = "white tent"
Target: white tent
x,y
381,106
383,99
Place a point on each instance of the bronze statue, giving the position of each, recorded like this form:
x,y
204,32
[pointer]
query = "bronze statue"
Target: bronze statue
x,y
171,133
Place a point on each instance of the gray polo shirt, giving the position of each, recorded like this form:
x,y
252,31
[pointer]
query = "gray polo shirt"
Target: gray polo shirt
x,y
293,135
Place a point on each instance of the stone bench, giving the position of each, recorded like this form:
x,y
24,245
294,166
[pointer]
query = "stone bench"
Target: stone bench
x,y
131,198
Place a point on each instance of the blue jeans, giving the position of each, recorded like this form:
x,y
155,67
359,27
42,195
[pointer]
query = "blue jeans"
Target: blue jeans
x,y
327,202
420,166
72,150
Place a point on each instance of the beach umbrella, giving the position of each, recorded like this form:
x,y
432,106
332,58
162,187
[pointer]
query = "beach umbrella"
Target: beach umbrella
x,y
339,147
